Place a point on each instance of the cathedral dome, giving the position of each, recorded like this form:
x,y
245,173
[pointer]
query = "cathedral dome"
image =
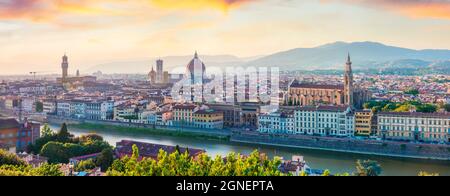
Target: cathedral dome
x,y
195,66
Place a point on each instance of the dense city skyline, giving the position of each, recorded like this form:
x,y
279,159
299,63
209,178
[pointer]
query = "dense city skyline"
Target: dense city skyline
x,y
35,33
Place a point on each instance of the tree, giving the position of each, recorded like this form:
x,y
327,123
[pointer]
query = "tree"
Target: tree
x,y
27,170
47,135
12,165
447,107
56,152
135,152
39,107
390,107
303,173
367,106
12,170
427,108
7,158
63,134
376,109
181,164
403,108
85,165
367,168
48,170
343,174
422,173
412,91
105,159
326,173
62,146
90,137
47,131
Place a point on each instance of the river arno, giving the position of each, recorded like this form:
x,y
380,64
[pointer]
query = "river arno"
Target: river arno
x,y
335,162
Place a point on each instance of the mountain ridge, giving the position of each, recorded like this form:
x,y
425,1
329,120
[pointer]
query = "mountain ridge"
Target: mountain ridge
x,y
331,56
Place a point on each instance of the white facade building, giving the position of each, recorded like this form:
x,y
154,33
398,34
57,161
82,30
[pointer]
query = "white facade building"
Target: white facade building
x,y
321,121
28,104
63,108
49,106
78,109
414,126
107,110
277,122
325,121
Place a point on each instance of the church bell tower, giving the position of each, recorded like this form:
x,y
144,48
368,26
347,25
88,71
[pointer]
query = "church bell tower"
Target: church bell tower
x,y
348,83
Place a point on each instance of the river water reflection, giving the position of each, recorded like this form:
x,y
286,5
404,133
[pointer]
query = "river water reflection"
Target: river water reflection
x,y
335,162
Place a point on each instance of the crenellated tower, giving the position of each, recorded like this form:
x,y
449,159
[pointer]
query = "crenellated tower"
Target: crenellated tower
x,y
65,67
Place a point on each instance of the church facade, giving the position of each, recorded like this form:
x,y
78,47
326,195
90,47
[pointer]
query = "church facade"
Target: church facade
x,y
305,94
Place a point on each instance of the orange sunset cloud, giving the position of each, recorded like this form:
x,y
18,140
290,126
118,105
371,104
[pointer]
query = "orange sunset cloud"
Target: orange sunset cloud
x,y
43,10
223,5
48,10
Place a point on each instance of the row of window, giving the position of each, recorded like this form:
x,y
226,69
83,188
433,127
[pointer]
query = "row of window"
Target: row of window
x,y
307,131
14,135
415,121
411,128
312,114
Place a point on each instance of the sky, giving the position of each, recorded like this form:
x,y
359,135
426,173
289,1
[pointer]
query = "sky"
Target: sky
x,y
34,34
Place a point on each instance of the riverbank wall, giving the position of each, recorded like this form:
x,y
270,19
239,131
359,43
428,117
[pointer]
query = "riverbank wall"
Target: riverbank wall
x,y
345,145
367,147
141,128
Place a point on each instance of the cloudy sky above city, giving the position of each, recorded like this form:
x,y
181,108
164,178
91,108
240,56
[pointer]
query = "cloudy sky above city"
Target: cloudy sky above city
x,y
34,34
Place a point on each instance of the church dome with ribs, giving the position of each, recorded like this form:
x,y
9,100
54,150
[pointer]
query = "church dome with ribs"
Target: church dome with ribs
x,y
196,66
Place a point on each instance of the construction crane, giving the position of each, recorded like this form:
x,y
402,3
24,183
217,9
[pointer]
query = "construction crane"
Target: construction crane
x,y
35,85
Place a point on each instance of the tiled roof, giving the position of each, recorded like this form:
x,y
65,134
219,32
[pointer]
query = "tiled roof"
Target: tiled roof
x,y
416,114
84,157
125,147
317,86
208,112
184,107
323,108
9,123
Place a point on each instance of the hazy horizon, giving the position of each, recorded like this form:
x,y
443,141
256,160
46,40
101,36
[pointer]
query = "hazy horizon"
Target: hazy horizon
x,y
34,34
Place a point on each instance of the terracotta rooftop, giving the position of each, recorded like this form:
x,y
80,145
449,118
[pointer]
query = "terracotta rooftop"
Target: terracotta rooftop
x,y
208,112
8,123
125,148
317,86
184,107
416,114
323,108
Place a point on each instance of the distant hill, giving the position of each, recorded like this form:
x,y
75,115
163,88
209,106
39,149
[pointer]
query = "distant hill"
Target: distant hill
x,y
170,62
364,55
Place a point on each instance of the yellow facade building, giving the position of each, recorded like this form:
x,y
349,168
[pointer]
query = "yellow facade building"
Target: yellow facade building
x,y
208,119
364,123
